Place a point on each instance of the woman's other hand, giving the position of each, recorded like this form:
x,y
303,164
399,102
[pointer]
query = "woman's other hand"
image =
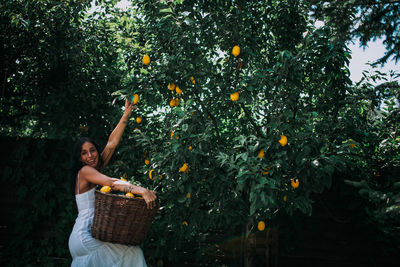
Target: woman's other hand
x,y
150,197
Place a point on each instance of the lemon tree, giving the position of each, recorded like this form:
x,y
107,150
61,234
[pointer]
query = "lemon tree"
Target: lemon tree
x,y
258,104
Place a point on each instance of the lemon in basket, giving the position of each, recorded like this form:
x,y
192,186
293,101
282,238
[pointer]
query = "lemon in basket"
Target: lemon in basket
x,y
105,189
129,194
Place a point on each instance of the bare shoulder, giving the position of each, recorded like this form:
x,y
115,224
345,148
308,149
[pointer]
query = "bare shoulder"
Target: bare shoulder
x,y
87,171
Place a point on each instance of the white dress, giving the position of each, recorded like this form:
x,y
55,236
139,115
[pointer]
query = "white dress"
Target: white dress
x,y
88,251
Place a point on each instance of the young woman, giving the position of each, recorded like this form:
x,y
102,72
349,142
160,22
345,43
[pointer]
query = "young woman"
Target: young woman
x,y
87,168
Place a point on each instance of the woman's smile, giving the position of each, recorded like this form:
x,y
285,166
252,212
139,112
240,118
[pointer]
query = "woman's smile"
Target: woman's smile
x,y
89,154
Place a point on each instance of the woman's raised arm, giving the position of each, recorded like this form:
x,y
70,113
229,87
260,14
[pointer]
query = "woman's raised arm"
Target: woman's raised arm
x,y
116,134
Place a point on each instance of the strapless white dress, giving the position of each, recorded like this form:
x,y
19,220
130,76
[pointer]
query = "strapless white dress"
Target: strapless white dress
x,y
88,251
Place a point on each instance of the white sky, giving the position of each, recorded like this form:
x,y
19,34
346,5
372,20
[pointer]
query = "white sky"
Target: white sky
x,y
361,56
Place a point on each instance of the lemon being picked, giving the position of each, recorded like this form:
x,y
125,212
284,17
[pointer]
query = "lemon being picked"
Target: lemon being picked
x,y
146,59
105,189
135,99
236,50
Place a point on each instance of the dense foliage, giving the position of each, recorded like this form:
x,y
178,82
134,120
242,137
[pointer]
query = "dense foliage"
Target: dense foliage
x,y
66,70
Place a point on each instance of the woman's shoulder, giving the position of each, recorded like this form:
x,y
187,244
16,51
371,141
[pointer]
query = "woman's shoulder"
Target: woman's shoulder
x,y
85,170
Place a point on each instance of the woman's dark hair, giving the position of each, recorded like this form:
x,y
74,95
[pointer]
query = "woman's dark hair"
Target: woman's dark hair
x,y
76,163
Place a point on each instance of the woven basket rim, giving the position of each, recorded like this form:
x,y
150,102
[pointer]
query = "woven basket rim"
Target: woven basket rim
x,y
125,197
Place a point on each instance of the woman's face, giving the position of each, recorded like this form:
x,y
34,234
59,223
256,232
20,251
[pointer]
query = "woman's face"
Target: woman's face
x,y
89,154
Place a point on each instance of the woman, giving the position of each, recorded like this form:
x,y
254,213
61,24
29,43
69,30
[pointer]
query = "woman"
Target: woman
x,y
87,166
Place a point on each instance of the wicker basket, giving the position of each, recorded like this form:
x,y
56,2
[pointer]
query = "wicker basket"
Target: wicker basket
x,y
120,219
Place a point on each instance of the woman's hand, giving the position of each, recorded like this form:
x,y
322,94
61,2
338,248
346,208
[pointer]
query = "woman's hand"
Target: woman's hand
x,y
128,108
148,195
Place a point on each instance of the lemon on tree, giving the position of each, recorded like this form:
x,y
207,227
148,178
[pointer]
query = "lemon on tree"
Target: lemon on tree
x,y
171,86
261,225
236,50
184,168
178,90
151,174
235,96
146,59
261,154
138,120
283,141
294,182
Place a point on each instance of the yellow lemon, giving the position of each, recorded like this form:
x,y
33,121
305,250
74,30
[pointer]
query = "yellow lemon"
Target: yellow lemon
x,y
266,171
129,194
178,90
172,134
146,59
176,102
192,80
123,179
294,183
138,120
184,168
135,99
261,154
190,147
283,140
151,174
185,223
284,197
188,195
261,226
236,50
147,162
235,96
171,86
105,189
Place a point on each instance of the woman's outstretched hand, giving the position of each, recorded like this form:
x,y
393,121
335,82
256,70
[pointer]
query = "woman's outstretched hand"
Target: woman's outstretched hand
x,y
128,108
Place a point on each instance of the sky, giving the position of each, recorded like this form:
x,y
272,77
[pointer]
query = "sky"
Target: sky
x,y
361,56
